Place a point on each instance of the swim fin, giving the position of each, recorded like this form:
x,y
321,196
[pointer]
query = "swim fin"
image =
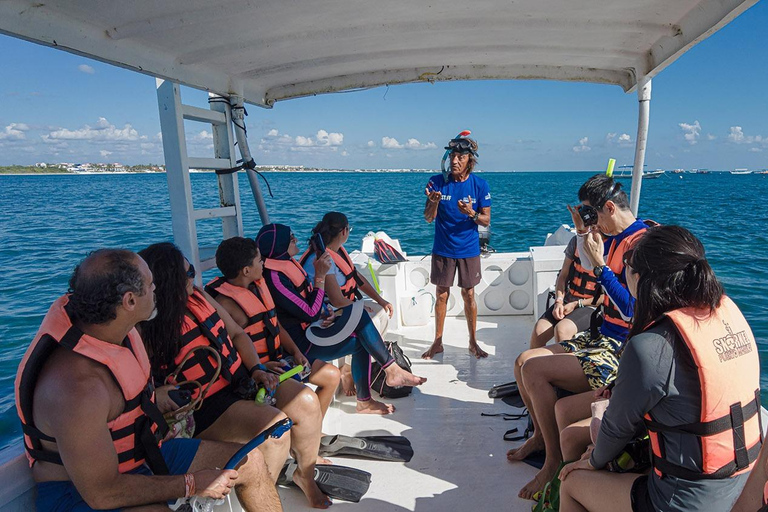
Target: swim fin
x,y
394,448
338,482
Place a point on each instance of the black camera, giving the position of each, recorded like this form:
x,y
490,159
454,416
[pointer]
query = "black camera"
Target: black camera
x,y
588,215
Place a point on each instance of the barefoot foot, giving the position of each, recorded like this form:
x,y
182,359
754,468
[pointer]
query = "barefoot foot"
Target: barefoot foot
x,y
374,407
476,351
436,348
396,376
532,445
544,475
306,482
347,382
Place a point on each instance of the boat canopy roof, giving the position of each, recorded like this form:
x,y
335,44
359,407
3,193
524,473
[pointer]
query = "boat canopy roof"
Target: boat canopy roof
x,y
270,50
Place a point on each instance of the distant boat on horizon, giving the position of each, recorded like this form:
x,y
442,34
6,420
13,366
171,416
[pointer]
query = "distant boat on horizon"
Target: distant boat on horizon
x,y
741,171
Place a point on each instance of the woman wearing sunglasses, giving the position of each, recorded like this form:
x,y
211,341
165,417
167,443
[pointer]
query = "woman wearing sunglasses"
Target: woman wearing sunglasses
x,y
348,283
690,373
189,322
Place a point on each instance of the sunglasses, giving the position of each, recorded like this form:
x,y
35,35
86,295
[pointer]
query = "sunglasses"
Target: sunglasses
x,y
191,272
461,146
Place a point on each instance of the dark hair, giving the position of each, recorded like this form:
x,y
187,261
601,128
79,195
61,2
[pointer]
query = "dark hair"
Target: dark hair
x,y
673,273
332,224
100,281
234,254
162,334
600,188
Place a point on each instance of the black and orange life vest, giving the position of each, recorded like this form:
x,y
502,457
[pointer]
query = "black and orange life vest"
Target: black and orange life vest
x,y
205,328
615,261
724,352
352,280
136,432
257,304
582,283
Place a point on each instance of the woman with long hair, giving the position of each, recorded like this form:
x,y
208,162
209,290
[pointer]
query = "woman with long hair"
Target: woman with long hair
x,y
348,284
188,323
690,373
300,303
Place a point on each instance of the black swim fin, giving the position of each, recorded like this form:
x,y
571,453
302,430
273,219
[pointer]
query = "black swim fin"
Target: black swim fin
x,y
338,482
394,448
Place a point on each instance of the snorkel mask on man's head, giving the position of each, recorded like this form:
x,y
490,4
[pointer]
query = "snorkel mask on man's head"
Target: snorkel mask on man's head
x,y
462,146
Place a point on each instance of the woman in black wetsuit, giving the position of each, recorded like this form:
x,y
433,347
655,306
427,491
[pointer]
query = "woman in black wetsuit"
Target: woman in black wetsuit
x,y
300,303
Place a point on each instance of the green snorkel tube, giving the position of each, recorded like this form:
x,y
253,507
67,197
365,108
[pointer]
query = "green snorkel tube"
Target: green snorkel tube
x,y
465,133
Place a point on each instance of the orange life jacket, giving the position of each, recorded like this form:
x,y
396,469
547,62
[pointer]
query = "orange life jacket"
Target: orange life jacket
x,y
352,280
724,351
206,328
582,283
257,304
295,273
136,432
615,261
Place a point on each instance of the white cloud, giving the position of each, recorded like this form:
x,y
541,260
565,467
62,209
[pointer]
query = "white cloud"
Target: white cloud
x,y
103,131
14,131
323,140
623,141
737,136
711,137
344,153
390,143
691,132
85,68
371,144
756,150
104,153
203,136
415,144
582,145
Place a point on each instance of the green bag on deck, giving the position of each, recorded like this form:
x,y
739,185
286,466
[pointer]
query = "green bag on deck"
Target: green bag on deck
x,y
549,501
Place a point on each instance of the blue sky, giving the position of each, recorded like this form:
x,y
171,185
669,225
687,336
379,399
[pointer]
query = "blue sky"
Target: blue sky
x,y
709,110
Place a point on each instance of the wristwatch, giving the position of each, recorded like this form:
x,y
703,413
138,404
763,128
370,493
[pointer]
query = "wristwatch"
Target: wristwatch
x,y
598,271
476,215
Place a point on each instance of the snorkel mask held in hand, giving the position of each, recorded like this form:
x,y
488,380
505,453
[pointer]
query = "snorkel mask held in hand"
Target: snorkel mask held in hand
x,y
459,144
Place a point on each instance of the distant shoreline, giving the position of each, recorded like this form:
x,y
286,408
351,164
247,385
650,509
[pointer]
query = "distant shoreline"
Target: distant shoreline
x,y
303,171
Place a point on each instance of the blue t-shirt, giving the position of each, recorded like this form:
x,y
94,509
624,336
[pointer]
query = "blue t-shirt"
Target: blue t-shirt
x,y
456,233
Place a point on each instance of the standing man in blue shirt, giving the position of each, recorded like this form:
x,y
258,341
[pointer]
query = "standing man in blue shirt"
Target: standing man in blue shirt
x,y
457,203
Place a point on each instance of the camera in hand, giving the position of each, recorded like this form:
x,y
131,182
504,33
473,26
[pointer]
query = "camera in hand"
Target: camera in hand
x,y
317,244
588,215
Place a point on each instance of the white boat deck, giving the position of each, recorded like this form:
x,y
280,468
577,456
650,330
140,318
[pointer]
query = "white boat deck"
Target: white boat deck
x,y
460,457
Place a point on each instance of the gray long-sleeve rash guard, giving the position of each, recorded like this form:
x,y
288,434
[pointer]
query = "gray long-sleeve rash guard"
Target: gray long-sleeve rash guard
x,y
656,375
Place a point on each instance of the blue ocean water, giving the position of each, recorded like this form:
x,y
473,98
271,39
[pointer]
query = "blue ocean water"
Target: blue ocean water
x,y
50,222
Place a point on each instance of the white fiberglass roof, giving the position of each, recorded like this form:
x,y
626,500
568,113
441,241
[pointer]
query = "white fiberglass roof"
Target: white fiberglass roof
x,y
269,50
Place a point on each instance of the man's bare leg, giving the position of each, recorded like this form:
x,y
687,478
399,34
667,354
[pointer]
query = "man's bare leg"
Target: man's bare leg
x,y
470,312
441,307
541,375
254,488
242,422
597,491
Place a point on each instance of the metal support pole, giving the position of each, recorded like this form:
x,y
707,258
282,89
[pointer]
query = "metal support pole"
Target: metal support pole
x,y
644,100
238,119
